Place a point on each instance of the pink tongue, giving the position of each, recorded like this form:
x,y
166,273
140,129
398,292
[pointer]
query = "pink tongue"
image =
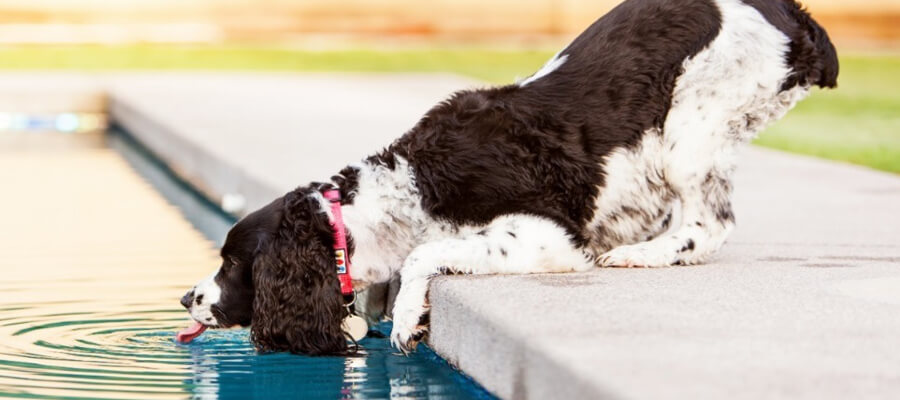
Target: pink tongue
x,y
190,333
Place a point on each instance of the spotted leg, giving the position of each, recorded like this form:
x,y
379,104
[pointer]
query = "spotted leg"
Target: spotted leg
x,y
706,221
509,245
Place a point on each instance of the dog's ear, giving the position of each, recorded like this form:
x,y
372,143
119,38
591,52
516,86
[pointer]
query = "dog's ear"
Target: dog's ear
x,y
297,306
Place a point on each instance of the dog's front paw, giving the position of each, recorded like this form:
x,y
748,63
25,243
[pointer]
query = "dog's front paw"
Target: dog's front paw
x,y
409,329
641,255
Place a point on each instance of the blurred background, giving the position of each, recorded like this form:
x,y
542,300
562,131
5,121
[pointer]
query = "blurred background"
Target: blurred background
x,y
134,132
494,41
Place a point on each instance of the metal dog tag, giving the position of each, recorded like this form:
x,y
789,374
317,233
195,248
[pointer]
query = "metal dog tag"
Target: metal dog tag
x,y
355,326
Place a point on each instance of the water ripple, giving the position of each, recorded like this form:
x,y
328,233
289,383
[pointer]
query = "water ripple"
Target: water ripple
x,y
132,354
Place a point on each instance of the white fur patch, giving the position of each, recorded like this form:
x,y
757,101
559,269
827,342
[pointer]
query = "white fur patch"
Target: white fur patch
x,y
634,180
386,220
552,65
324,204
211,293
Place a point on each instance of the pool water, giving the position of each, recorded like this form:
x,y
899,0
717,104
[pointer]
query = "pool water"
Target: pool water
x,y
131,354
97,249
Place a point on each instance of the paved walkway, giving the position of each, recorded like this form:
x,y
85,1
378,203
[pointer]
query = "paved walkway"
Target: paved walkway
x,y
803,301
259,136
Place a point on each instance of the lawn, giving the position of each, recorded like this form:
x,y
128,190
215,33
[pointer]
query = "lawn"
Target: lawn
x,y
488,65
858,123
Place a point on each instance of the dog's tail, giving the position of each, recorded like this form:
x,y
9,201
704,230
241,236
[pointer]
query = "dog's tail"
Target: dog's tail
x,y
812,56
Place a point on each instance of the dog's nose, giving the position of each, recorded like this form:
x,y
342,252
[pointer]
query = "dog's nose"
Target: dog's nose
x,y
188,299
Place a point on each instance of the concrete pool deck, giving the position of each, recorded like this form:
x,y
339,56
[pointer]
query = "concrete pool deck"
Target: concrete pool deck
x,y
803,301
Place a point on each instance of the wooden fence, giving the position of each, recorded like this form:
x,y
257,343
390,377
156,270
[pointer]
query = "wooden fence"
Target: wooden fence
x,y
285,20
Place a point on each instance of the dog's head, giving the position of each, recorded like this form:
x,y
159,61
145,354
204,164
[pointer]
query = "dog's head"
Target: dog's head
x,y
278,277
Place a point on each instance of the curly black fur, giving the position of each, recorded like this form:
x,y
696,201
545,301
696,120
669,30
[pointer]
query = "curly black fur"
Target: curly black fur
x,y
298,305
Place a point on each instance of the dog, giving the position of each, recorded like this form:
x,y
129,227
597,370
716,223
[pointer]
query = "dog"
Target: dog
x,y
588,162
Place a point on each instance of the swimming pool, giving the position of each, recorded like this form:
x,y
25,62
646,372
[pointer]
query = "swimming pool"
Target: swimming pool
x,y
99,244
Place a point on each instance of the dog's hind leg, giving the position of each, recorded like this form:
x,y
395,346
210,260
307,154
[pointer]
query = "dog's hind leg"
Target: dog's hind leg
x,y
725,95
510,244
706,221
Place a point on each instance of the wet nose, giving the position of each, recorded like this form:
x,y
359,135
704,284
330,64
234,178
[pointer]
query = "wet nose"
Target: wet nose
x,y
188,299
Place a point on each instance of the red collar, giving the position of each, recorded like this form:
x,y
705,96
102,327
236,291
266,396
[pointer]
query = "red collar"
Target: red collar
x,y
341,255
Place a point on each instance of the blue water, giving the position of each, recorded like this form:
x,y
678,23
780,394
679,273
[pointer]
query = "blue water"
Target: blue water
x,y
131,353
99,333
378,372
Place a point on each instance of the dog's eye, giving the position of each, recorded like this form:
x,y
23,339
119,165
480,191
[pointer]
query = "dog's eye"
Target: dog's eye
x,y
229,264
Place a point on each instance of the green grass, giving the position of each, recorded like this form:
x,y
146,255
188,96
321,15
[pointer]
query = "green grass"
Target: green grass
x,y
858,123
488,65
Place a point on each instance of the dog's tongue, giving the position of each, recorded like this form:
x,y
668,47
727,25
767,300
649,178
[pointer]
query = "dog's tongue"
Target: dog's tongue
x,y
190,333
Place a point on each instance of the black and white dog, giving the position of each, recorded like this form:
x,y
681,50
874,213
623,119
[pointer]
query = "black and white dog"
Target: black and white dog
x,y
583,164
